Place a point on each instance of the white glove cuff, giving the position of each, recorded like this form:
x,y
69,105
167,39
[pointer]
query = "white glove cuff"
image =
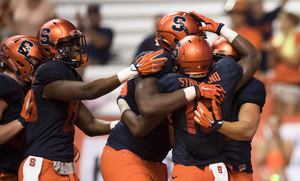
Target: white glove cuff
x,y
113,124
122,105
126,74
228,33
190,93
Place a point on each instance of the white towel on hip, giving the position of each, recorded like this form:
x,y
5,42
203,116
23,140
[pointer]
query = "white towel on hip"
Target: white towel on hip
x,y
32,168
219,171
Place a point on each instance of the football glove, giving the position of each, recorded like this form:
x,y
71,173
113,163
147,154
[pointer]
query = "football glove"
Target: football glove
x,y
210,91
210,25
148,63
204,117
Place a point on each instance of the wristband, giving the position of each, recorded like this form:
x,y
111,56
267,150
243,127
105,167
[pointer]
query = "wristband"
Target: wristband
x,y
123,106
22,121
217,126
228,33
219,28
190,93
126,74
113,124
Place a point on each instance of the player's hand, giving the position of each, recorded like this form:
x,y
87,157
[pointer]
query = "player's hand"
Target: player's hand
x,y
148,63
210,91
204,117
26,110
210,25
76,154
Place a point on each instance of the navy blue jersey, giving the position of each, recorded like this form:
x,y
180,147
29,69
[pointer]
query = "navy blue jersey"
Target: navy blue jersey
x,y
194,144
238,153
154,146
50,130
11,152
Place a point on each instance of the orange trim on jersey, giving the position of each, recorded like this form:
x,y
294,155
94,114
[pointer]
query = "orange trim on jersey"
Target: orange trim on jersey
x,y
34,115
124,90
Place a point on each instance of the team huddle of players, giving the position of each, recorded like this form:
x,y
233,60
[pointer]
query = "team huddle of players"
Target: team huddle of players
x,y
200,101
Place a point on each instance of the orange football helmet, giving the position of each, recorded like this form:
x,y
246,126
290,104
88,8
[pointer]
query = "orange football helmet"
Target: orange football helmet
x,y
221,48
60,39
2,64
21,54
193,57
175,26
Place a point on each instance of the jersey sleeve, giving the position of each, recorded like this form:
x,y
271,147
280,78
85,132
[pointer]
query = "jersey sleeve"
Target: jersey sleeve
x,y
253,92
52,71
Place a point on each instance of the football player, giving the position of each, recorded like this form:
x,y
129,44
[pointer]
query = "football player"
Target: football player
x,y
246,107
56,94
192,145
20,56
131,154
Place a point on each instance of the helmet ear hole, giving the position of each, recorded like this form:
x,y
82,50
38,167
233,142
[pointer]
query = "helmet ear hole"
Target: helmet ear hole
x,y
20,64
176,40
48,50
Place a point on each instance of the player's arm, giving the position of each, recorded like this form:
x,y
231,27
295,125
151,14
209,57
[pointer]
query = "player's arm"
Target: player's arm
x,y
91,126
251,56
153,104
66,90
242,130
245,128
3,106
137,125
8,131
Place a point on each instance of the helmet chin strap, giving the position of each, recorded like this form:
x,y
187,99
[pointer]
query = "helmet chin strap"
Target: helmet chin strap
x,y
82,59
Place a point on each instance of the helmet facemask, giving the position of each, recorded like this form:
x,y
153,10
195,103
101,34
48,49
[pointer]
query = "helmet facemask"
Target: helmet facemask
x,y
72,50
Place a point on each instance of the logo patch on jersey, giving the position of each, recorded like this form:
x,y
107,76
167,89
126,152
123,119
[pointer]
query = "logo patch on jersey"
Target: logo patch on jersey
x,y
24,48
178,23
